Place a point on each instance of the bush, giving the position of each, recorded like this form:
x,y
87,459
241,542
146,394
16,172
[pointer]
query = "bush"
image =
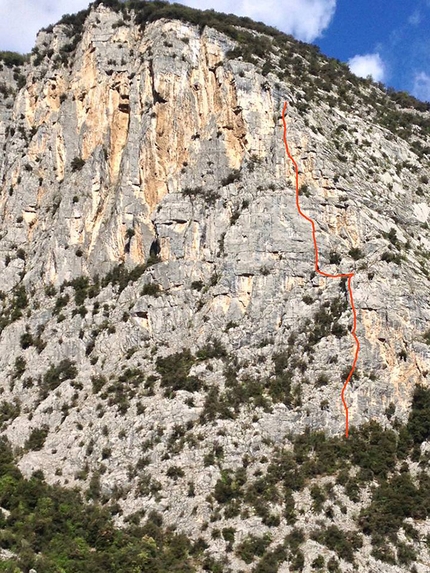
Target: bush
x,y
418,425
20,301
120,391
209,196
81,287
12,59
319,497
322,380
392,502
26,340
231,178
390,257
197,285
121,277
174,472
37,438
304,190
20,366
356,253
60,303
56,375
9,411
97,383
151,289
77,164
337,540
174,371
213,349
252,547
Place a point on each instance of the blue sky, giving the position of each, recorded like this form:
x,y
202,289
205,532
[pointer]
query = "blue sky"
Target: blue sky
x,y
388,39
399,31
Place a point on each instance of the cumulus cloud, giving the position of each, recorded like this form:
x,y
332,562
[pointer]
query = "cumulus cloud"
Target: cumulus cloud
x,y
21,20
304,19
368,65
422,86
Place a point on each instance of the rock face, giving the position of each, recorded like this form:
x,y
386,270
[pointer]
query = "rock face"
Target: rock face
x,y
160,151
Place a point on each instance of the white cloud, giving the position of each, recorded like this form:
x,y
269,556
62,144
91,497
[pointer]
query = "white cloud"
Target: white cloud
x,y
304,19
422,86
415,18
20,20
368,65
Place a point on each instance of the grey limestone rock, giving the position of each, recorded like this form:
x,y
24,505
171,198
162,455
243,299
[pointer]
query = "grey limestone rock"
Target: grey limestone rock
x,y
155,150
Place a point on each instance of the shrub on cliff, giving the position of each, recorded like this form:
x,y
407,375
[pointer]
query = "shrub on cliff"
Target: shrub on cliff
x,y
12,59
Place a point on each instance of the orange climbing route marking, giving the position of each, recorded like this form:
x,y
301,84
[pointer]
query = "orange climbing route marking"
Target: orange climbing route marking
x,y
327,275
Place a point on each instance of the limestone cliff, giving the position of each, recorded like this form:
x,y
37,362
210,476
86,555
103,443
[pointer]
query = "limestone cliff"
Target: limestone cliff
x,y
159,148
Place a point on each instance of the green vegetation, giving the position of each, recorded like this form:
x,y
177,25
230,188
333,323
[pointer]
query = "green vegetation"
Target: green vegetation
x,y
83,288
27,339
8,412
61,301
97,383
335,258
120,391
209,196
20,366
56,375
120,276
252,547
175,373
77,164
50,529
197,285
337,540
174,472
229,485
232,177
396,499
12,59
356,253
326,320
36,439
418,426
13,311
151,289
390,257
238,392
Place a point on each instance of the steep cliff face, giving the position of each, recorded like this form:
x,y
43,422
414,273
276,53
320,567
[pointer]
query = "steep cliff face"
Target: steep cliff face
x,y
158,150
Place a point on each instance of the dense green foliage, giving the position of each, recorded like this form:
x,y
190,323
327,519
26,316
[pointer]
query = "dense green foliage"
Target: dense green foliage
x,y
50,529
12,59
15,307
418,426
175,372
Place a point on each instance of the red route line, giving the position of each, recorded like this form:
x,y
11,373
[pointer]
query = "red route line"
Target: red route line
x,y
322,273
